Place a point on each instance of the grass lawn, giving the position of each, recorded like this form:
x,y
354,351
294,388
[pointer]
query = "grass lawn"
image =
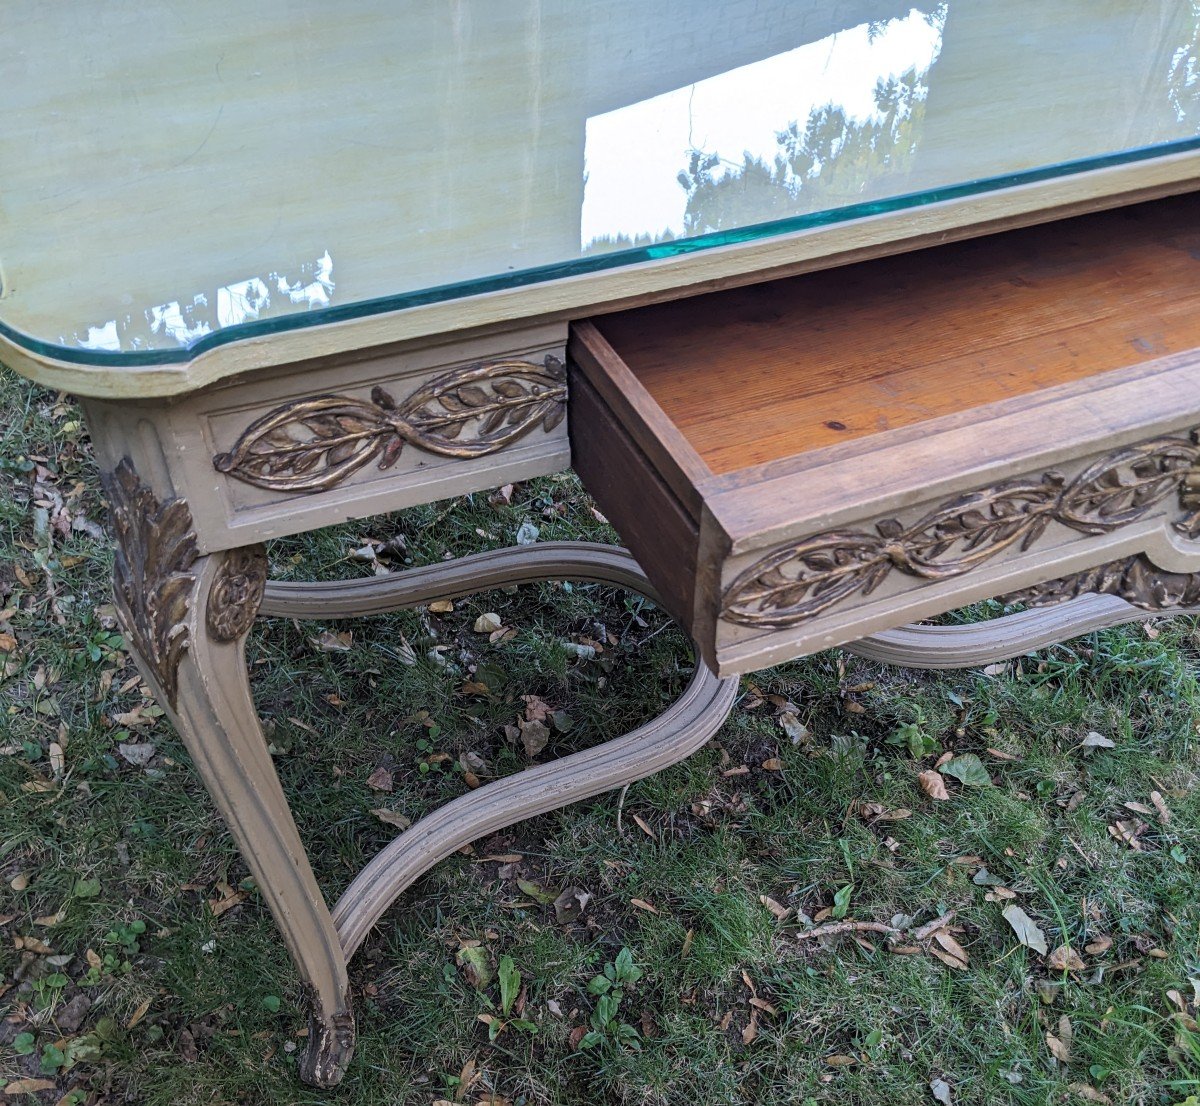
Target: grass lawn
x,y
139,964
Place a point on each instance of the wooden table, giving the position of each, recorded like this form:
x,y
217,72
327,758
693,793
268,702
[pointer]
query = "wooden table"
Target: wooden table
x,y
847,315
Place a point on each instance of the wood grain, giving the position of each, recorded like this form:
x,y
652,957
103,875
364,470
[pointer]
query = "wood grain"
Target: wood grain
x,y
754,375
651,521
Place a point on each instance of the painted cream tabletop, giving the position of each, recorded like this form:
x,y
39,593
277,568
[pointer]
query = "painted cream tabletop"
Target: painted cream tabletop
x,y
187,195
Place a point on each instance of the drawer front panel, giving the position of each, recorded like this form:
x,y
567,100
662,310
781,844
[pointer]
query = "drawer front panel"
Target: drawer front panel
x,y
1040,535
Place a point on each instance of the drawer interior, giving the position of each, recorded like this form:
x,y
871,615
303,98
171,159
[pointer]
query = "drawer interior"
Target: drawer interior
x,y
765,372
747,437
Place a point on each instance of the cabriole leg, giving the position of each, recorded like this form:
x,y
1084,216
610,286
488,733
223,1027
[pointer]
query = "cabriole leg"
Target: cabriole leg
x,y
186,618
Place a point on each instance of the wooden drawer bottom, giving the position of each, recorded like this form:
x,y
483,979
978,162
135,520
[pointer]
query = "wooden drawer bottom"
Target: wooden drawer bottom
x,y
802,463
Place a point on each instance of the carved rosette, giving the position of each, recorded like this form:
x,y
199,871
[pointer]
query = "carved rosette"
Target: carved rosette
x,y
237,593
802,579
313,444
156,550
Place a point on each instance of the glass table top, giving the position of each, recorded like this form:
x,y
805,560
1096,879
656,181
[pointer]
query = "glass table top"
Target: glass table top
x,y
171,179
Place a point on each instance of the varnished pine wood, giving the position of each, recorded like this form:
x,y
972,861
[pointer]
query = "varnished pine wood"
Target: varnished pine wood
x,y
758,374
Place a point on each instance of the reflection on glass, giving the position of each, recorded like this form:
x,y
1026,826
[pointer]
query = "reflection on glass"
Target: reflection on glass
x,y
239,302
827,124
174,179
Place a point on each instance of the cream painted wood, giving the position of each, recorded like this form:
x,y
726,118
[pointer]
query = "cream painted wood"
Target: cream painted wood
x,y
179,441
216,717
1000,639
616,289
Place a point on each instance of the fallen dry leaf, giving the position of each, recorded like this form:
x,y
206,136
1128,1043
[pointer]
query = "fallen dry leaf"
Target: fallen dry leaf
x,y
487,623
751,1030
1098,944
948,950
773,765
1164,815
29,1086
441,606
933,785
1126,830
1096,740
393,818
1088,1093
778,909
1060,1045
642,904
381,779
329,642
7,644
940,1090
534,736
1026,929
644,826
1065,959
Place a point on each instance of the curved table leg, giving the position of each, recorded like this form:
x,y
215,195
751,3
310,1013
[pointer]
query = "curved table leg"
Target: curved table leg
x,y
186,618
999,639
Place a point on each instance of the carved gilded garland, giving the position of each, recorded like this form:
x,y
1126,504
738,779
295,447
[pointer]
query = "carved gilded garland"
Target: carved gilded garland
x,y
312,444
155,553
802,579
1135,579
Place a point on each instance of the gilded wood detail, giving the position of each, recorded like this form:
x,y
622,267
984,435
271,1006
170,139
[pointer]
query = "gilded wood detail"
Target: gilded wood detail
x,y
802,579
155,552
237,592
1135,579
313,444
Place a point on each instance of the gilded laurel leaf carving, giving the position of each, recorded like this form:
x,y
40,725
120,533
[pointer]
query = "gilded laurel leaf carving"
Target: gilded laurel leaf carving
x,y
798,581
316,443
155,552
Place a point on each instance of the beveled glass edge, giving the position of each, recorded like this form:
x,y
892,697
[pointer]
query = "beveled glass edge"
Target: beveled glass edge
x,y
583,265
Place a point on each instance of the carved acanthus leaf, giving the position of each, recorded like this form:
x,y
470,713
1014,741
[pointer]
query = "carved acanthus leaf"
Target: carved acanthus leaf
x,y
155,552
313,444
800,580
1135,579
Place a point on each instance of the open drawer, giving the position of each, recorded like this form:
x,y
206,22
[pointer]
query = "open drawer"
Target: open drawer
x,y
801,463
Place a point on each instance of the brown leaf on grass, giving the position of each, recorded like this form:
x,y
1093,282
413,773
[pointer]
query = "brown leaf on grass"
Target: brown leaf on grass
x,y
778,909
1101,943
536,708
948,950
1164,814
329,642
644,826
751,1030
1065,959
1127,830
534,737
774,764
487,623
392,818
570,905
686,948
441,606
381,779
1060,1044
1088,1093
933,785
8,643
29,1086
1026,929
642,904
228,900
840,1061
